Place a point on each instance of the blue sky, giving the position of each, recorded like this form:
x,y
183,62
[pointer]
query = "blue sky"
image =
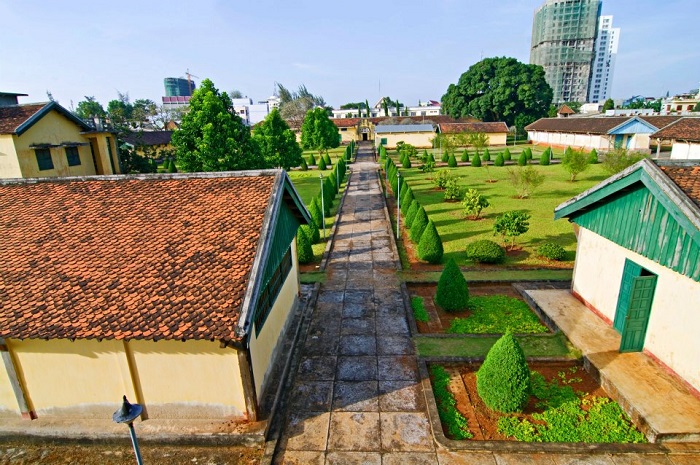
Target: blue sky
x,y
340,50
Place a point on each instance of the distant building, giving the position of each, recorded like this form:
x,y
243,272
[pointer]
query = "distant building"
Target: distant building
x,y
568,40
427,108
176,87
682,103
684,136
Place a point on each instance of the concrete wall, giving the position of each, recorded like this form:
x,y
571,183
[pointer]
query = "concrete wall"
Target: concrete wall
x,y
497,138
264,346
347,135
9,165
685,151
586,141
8,403
420,140
87,378
674,323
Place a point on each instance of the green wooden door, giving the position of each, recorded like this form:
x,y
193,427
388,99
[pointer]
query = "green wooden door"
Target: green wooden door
x,y
631,271
635,327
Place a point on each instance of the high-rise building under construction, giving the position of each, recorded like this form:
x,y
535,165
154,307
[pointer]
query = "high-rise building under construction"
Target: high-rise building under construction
x,y
564,34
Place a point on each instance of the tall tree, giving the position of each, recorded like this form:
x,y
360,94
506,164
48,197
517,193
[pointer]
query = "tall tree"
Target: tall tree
x,y
500,89
90,108
295,105
277,142
212,137
318,132
609,105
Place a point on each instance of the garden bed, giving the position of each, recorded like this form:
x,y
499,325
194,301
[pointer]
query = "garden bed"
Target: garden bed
x,y
483,296
572,408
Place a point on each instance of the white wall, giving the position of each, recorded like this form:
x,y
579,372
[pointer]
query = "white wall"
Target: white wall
x,y
674,322
685,151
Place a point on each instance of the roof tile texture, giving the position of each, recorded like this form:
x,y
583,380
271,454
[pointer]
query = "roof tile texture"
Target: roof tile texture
x,y
454,128
13,116
687,178
593,125
153,258
683,129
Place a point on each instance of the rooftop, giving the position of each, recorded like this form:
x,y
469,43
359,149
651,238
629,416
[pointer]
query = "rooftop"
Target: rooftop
x,y
683,129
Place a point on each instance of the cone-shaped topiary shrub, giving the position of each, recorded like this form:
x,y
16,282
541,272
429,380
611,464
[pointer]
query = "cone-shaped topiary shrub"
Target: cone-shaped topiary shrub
x,y
545,157
499,160
317,217
452,291
424,157
503,381
593,157
452,161
465,156
334,182
522,159
303,165
411,214
418,225
506,154
406,162
328,193
486,156
321,163
476,160
171,167
568,152
166,164
305,252
430,245
445,157
431,157
406,200
528,153
327,159
312,160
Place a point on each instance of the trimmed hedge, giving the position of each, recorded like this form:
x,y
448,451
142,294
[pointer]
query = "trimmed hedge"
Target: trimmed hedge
x,y
452,290
551,251
485,251
411,214
503,381
430,245
445,157
499,160
465,157
546,157
321,164
452,161
487,155
419,223
476,160
522,159
506,154
305,252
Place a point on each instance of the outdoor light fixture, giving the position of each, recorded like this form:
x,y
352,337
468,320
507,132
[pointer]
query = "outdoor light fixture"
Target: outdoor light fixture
x,y
127,414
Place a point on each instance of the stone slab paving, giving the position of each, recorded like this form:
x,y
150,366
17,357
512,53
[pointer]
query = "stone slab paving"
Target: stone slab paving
x,y
357,396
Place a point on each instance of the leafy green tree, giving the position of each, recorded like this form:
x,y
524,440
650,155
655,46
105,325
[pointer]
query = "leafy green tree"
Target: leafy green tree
x,y
303,165
430,245
478,140
452,292
277,142
321,164
474,202
528,153
132,162
503,380
317,216
445,157
525,180
452,189
212,137
318,132
405,162
327,159
295,105
500,89
89,108
312,160
609,105
619,159
512,224
574,162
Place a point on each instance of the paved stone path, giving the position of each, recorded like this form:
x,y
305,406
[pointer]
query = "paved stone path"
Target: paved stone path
x,y
357,396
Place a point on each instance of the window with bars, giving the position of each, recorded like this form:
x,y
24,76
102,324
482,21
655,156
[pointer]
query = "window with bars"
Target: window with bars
x,y
271,291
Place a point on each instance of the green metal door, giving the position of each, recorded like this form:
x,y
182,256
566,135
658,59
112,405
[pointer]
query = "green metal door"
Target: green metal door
x,y
631,271
635,327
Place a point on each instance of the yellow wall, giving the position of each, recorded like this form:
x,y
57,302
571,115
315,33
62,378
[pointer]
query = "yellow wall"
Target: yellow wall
x,y
420,140
497,138
347,135
193,379
8,403
673,327
263,347
9,166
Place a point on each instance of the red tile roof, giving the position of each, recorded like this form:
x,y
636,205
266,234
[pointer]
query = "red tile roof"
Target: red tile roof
x,y
453,128
13,116
687,178
123,257
437,119
565,110
683,129
594,124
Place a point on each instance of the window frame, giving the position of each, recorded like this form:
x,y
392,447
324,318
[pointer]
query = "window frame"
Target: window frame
x,y
72,158
41,155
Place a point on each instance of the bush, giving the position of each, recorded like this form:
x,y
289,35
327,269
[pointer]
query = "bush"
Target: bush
x,y
431,157
528,153
424,157
317,217
405,162
593,157
525,180
419,312
406,200
546,157
452,292
428,167
430,245
445,157
452,161
303,165
411,214
418,226
312,160
522,159
305,252
551,251
474,202
321,163
171,167
503,381
619,159
452,190
441,178
512,224
327,159
486,156
575,162
485,251
476,160
506,154
465,157
499,160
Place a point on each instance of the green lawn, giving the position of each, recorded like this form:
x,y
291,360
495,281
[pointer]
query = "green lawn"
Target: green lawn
x,y
456,231
494,275
541,345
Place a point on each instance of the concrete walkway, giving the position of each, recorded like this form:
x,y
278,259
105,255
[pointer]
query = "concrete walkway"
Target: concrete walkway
x,y
357,396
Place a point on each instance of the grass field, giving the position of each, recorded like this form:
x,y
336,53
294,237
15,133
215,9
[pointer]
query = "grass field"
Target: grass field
x,y
456,231
541,345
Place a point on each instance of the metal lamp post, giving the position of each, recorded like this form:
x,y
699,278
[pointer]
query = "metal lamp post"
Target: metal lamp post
x,y
323,206
127,413
398,203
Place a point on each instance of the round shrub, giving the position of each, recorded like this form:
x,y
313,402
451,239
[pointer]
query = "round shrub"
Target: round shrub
x,y
452,292
506,154
503,381
452,161
551,251
487,155
305,253
430,245
485,251
546,157
411,214
418,225
465,156
476,160
522,159
499,160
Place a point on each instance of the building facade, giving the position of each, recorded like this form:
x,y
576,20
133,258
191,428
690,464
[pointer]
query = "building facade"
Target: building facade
x,y
176,87
563,42
604,57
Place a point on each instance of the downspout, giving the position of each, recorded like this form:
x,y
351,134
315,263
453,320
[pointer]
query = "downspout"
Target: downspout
x,y
18,387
